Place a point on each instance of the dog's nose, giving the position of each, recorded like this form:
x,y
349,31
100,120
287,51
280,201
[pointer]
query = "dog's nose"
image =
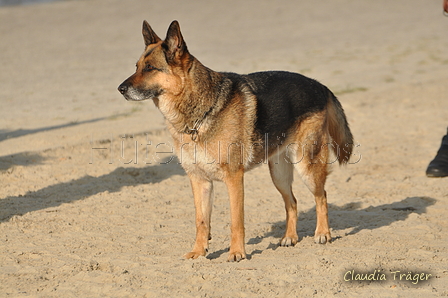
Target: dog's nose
x,y
122,88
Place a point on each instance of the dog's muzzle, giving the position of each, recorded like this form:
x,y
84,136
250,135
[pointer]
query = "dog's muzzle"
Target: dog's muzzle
x,y
133,94
128,91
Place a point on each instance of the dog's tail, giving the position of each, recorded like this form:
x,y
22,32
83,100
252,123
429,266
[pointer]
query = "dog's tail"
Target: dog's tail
x,y
339,130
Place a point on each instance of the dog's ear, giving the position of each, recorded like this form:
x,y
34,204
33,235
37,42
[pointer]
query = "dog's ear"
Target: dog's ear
x,y
174,43
149,36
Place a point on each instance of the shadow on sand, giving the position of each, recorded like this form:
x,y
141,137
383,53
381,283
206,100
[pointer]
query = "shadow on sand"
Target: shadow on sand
x,y
78,189
11,134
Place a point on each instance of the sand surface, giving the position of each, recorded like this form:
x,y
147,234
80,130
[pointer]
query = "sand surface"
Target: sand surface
x,y
79,221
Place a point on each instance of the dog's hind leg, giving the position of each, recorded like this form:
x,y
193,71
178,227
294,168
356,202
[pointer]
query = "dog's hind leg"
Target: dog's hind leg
x,y
313,169
282,174
202,192
310,159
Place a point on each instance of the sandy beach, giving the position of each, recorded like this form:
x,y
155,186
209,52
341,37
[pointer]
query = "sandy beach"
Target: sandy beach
x,y
93,202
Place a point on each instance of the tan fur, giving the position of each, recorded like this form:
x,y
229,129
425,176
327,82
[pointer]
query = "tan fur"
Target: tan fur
x,y
343,137
215,138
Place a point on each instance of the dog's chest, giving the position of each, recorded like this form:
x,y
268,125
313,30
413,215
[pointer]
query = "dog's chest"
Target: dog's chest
x,y
212,159
202,159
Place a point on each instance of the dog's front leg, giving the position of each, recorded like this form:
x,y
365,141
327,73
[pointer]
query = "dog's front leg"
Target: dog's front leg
x,y
202,192
235,187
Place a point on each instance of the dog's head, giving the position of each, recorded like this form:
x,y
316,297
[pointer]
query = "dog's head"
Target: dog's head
x,y
161,70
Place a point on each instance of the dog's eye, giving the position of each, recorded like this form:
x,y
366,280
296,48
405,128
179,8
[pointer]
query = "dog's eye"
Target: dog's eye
x,y
149,67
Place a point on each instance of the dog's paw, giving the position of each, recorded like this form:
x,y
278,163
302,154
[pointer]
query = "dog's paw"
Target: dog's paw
x,y
289,241
322,238
195,254
236,256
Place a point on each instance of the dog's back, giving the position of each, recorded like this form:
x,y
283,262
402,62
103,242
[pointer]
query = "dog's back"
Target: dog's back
x,y
284,99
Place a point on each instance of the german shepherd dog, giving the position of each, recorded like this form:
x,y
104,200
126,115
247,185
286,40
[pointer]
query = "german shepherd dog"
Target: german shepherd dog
x,y
224,124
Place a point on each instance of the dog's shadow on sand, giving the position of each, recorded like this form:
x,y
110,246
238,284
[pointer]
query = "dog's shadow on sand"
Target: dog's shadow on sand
x,y
78,189
352,218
